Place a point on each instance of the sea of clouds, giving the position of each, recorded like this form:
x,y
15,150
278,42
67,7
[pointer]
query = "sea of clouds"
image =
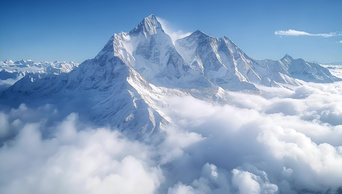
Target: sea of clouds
x,y
281,141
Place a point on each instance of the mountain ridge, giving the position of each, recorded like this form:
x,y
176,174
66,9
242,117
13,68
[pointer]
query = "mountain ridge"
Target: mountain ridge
x,y
125,84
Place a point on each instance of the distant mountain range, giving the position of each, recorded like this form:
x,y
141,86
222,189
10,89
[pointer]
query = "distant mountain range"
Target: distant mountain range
x,y
10,71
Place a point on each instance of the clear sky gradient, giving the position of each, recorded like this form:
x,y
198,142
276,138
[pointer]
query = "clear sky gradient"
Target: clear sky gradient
x,y
68,30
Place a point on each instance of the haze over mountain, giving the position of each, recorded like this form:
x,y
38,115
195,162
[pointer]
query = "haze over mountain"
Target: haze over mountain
x,y
199,93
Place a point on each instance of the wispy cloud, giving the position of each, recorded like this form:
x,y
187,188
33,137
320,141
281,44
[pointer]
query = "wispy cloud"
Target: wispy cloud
x,y
174,34
340,41
292,32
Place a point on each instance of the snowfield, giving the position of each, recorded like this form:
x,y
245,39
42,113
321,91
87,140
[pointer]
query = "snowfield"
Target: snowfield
x,y
195,115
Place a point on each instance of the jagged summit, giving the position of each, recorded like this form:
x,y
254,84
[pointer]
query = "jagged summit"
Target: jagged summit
x,y
287,57
123,45
199,33
150,51
149,25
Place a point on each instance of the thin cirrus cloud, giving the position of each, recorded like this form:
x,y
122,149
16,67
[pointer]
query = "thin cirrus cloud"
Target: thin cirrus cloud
x,y
292,32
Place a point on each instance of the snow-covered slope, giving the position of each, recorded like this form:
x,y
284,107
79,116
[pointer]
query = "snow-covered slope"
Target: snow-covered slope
x,y
126,83
300,69
224,64
207,56
100,88
149,50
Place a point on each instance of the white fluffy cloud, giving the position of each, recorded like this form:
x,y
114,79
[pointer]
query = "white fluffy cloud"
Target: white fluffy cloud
x,y
294,137
247,182
282,141
292,32
72,161
211,180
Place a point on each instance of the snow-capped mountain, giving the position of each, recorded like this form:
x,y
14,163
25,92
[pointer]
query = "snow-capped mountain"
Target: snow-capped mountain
x,y
149,50
225,65
300,69
29,66
125,84
103,87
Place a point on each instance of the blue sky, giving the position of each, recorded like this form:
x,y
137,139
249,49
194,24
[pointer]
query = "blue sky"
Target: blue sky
x,y
77,30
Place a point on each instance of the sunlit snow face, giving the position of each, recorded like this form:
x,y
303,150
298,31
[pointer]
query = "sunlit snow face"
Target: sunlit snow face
x,y
280,141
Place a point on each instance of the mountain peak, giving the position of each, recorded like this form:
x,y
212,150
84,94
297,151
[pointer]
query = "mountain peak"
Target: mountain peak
x,y
149,25
287,57
199,33
151,17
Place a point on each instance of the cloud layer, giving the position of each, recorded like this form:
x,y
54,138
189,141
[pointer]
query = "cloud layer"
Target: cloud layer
x,y
73,161
282,141
281,144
